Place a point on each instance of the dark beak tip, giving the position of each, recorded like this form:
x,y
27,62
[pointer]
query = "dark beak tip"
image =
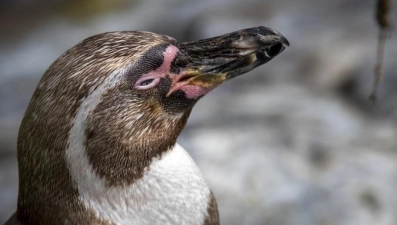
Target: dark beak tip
x,y
269,31
285,41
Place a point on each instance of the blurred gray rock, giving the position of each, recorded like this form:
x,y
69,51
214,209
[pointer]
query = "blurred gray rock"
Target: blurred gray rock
x,y
293,142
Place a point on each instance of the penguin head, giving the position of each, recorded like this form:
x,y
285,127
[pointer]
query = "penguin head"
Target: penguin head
x,y
122,98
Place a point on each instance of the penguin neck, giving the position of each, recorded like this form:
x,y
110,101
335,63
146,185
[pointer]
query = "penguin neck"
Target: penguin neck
x,y
122,158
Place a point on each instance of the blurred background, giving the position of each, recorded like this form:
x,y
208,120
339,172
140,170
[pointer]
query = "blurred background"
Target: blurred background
x,y
294,142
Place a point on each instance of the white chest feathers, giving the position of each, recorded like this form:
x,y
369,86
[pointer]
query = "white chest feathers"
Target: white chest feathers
x,y
172,191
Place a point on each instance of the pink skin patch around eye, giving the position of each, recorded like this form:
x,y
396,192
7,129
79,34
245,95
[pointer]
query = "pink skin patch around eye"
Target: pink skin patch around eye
x,y
169,55
191,91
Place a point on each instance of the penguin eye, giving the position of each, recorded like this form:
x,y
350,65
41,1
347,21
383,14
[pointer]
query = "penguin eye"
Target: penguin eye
x,y
147,82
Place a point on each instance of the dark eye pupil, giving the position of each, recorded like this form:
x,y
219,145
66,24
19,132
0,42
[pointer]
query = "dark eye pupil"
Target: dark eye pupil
x,y
146,82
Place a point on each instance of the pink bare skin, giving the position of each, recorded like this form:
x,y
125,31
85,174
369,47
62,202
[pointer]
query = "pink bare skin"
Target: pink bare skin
x,y
191,91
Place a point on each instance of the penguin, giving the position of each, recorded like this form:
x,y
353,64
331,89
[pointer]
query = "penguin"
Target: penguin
x,y
97,144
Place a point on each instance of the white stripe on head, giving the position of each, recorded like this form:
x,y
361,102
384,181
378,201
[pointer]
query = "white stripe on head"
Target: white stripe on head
x,y
172,190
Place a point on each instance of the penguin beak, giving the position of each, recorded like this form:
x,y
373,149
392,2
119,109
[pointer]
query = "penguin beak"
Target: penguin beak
x,y
207,63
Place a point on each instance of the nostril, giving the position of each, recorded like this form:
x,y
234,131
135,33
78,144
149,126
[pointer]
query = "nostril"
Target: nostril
x,y
275,49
